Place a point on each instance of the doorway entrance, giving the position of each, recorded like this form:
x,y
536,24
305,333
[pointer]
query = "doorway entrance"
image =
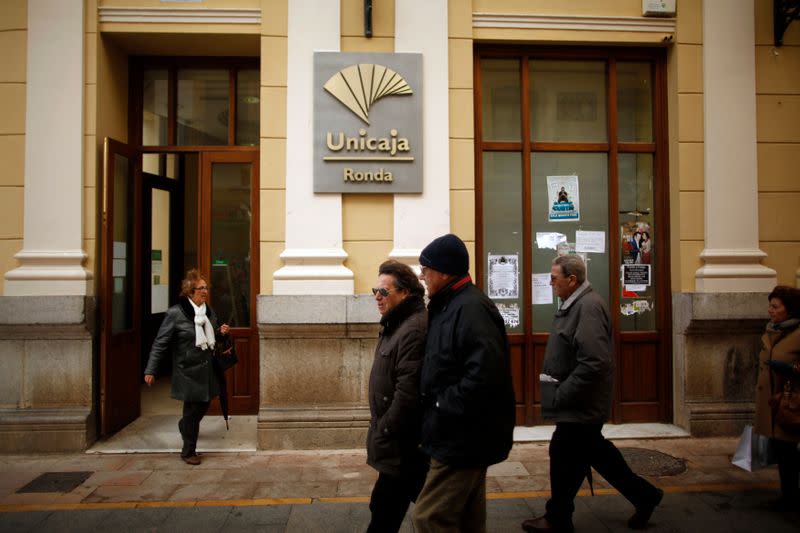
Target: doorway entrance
x,y
165,213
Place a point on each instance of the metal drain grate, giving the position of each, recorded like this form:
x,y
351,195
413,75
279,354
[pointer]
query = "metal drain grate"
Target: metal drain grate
x,y
653,463
56,482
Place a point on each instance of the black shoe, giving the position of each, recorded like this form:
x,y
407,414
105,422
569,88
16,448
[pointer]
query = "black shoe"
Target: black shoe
x,y
642,515
542,525
193,460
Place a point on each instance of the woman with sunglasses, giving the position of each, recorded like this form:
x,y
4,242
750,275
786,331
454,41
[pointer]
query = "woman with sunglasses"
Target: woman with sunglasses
x,y
394,429
189,333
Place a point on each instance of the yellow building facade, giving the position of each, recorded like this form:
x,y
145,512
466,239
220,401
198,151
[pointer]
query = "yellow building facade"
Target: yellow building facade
x,y
682,125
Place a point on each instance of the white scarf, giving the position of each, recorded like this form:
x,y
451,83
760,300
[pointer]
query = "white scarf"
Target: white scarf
x,y
203,332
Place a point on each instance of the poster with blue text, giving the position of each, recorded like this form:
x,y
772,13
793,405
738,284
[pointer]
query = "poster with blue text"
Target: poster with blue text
x,y
563,198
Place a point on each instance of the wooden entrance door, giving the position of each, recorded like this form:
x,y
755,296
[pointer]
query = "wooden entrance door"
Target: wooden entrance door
x,y
120,300
229,251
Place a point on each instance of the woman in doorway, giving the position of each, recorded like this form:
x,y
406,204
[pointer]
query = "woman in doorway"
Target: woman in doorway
x,y
188,333
779,363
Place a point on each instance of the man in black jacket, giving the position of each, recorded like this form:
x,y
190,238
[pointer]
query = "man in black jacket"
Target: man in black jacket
x,y
467,393
580,358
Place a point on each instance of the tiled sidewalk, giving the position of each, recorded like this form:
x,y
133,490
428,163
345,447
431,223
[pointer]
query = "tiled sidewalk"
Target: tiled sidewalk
x,y
264,478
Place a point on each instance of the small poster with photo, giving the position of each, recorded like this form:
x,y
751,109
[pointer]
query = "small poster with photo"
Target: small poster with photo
x,y
563,198
637,243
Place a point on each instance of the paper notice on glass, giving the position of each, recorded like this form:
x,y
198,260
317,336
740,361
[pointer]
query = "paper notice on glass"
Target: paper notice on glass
x,y
510,314
563,199
542,292
549,239
503,276
590,241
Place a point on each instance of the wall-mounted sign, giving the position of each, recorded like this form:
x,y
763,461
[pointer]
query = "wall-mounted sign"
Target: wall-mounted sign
x,y
367,123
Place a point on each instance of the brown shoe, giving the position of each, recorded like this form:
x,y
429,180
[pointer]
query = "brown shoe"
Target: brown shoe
x,y
193,460
542,525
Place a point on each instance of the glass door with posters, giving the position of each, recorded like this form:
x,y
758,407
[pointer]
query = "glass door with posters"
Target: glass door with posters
x,y
571,159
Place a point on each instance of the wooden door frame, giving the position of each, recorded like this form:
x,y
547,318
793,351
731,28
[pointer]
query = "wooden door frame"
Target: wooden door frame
x,y
659,147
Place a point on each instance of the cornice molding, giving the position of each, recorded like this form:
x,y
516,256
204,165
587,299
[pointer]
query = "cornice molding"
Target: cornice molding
x,y
569,22
170,15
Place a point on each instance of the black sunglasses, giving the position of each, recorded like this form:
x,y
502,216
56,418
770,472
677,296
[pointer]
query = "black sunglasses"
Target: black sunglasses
x,y
384,291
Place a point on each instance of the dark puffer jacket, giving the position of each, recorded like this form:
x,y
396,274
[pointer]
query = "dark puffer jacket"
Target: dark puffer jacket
x,y
466,379
394,429
193,378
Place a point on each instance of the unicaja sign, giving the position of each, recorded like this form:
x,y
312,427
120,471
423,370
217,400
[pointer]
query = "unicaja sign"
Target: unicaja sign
x,y
367,123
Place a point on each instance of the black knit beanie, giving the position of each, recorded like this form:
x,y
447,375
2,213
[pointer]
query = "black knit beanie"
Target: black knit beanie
x,y
447,254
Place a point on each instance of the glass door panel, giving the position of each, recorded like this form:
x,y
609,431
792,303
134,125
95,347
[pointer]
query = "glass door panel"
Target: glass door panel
x,y
230,241
585,177
637,242
502,235
122,231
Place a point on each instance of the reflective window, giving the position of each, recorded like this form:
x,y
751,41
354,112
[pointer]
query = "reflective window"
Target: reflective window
x,y
203,107
230,242
247,107
155,108
634,102
500,87
568,101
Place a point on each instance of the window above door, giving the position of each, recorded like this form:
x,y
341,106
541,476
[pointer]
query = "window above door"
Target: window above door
x,y
193,102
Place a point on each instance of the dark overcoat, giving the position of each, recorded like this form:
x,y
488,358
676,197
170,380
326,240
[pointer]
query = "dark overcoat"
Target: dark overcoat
x,y
580,355
466,381
395,412
193,378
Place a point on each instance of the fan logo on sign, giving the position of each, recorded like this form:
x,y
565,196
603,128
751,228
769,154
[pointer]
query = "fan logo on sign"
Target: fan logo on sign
x,y
357,87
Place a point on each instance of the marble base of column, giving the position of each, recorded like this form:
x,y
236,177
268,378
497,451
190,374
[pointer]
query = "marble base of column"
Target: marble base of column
x,y
734,271
50,272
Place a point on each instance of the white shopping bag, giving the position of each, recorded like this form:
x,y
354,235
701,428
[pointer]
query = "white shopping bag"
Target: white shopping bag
x,y
753,452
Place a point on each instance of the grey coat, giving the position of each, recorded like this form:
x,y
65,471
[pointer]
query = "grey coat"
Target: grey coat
x,y
193,378
580,356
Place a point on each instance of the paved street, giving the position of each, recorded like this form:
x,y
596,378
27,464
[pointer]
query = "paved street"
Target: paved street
x,y
328,491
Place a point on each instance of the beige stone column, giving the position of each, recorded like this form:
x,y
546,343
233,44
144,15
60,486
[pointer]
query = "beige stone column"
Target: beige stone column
x,y
421,26
51,260
314,255
732,256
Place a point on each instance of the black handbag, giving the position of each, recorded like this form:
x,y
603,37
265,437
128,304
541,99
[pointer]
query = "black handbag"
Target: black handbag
x,y
225,352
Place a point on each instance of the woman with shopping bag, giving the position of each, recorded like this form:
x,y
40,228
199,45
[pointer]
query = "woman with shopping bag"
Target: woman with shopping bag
x,y
778,392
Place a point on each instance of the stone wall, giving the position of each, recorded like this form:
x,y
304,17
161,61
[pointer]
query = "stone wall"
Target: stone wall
x,y
315,357
46,374
716,341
